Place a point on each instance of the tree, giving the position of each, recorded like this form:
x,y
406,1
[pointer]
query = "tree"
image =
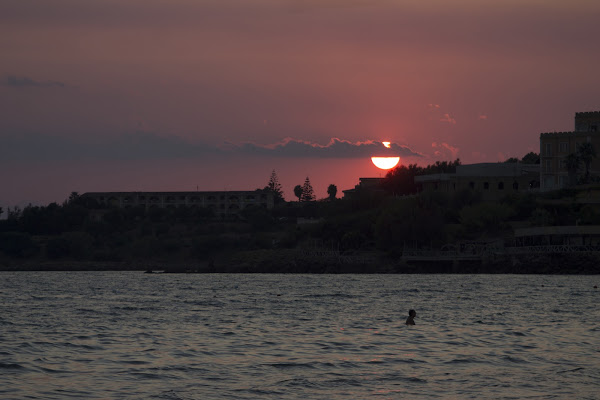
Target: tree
x,y
572,162
586,153
332,191
308,193
298,192
511,160
275,187
531,158
73,197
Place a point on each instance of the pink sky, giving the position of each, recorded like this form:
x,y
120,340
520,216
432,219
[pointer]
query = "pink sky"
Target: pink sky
x,y
179,94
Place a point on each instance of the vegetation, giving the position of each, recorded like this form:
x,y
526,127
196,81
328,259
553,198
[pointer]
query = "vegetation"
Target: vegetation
x,y
275,187
298,192
529,158
371,229
308,193
586,152
331,191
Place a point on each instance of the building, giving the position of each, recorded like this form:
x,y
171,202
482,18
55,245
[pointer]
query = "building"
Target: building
x,y
222,203
373,185
492,180
556,146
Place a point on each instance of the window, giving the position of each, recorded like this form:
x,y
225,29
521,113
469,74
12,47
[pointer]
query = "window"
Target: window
x,y
594,128
563,147
472,185
548,149
562,164
500,185
516,185
486,185
548,165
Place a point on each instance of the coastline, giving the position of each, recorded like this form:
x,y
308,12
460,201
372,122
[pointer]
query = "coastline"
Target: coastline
x,y
301,262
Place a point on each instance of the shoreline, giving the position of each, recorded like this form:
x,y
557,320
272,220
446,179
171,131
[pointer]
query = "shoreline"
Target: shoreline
x,y
295,262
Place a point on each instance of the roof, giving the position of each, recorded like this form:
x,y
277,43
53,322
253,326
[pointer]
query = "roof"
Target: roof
x,y
574,230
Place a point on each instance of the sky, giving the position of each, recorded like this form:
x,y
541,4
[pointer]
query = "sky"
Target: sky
x,y
147,95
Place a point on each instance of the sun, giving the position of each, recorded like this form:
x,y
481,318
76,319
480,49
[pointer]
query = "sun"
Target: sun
x,y
385,162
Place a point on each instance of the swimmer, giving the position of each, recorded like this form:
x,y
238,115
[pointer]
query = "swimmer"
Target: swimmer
x,y
411,317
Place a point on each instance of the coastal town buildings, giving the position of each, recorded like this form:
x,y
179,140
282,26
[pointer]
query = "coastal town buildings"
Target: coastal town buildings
x,y
556,146
221,202
492,180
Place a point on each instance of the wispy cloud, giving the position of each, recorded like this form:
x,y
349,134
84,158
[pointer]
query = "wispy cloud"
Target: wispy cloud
x,y
445,150
483,117
448,118
23,81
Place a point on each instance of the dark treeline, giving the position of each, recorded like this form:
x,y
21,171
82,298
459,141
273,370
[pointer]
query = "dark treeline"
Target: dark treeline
x,y
400,180
376,225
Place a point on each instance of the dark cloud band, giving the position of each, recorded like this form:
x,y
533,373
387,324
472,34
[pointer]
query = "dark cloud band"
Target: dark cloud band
x,y
142,145
22,81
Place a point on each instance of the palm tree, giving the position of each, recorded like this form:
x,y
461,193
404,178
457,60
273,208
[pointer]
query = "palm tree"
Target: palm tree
x,y
332,191
572,162
586,153
298,191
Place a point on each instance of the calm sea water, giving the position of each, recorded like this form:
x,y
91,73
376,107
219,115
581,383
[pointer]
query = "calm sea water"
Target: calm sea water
x,y
129,335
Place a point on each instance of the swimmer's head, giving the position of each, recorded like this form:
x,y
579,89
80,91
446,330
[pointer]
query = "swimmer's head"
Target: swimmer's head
x,y
412,313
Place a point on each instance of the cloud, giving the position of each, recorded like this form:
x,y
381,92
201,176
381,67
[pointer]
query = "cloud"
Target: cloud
x,y
483,117
335,148
22,81
448,118
445,150
147,146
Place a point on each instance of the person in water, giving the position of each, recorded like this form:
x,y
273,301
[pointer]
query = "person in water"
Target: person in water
x,y
411,317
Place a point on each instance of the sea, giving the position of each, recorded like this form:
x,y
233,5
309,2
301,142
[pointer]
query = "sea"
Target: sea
x,y
130,335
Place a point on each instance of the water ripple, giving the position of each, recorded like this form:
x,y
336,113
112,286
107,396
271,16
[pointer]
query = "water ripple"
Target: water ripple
x,y
129,335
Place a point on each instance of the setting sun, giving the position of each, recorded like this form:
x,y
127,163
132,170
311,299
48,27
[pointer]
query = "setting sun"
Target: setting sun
x,y
385,162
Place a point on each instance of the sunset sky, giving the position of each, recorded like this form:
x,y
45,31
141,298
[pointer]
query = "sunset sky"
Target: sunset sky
x,y
146,95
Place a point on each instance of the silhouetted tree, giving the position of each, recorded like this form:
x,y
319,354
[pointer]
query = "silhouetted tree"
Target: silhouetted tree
x,y
332,191
308,193
73,198
512,160
298,192
572,162
400,180
275,187
531,158
586,153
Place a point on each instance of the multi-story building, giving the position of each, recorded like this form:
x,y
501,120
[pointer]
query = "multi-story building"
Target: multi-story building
x,y
556,146
493,180
225,202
